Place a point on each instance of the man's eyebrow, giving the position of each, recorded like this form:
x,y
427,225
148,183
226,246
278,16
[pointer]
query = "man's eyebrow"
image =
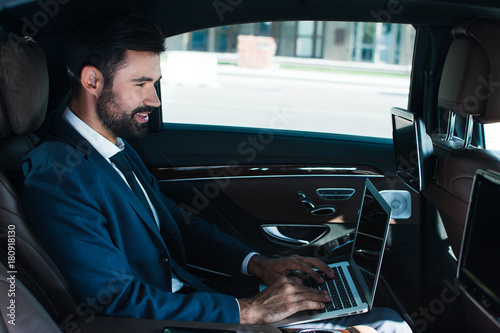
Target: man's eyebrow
x,y
145,79
142,79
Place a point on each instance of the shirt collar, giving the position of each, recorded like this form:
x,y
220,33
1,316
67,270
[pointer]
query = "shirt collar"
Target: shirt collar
x,y
105,147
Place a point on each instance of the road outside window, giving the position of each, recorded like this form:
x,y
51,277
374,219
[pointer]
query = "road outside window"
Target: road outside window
x,y
331,77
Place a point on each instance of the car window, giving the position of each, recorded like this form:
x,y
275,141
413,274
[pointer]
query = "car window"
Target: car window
x,y
492,136
332,77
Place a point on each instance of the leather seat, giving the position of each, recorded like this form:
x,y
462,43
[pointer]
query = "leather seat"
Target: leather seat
x,y
25,314
24,86
468,87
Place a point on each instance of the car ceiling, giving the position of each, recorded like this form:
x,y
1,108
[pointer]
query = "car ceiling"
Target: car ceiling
x,y
178,16
50,20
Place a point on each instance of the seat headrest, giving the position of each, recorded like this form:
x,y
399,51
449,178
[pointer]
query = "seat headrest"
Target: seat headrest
x,y
470,82
24,84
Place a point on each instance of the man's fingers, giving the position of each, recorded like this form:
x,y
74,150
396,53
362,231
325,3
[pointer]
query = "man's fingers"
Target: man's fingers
x,y
313,294
313,273
310,299
308,266
305,306
280,300
308,305
296,280
294,286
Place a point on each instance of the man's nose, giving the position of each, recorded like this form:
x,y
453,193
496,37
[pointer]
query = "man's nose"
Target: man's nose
x,y
152,98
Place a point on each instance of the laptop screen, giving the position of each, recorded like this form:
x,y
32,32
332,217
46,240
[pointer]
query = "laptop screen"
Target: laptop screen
x,y
371,236
480,250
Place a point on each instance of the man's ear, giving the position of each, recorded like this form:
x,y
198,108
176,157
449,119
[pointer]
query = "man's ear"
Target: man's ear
x,y
92,80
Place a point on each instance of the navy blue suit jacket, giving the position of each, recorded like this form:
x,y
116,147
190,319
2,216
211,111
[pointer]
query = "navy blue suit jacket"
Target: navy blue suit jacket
x,y
108,248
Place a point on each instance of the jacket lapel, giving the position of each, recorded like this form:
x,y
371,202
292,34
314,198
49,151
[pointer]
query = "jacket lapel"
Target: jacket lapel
x,y
60,128
169,230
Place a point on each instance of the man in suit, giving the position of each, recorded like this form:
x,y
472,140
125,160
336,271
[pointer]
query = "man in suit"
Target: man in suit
x,y
121,245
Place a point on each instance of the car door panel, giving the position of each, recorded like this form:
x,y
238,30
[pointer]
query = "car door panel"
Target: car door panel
x,y
242,198
250,203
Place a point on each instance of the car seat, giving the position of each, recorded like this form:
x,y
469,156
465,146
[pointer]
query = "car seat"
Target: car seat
x,y
24,87
20,311
468,87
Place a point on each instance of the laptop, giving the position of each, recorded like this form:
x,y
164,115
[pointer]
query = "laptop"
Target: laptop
x,y
356,279
480,251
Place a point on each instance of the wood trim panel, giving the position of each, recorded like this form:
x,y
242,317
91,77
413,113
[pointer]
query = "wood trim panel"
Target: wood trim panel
x,y
236,170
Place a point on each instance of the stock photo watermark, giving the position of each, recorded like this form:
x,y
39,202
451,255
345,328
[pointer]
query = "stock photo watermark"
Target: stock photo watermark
x,y
223,6
73,159
11,272
482,91
92,306
428,314
393,7
248,148
32,25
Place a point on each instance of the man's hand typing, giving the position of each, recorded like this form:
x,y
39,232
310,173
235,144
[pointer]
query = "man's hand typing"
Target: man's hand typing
x,y
285,294
280,300
270,270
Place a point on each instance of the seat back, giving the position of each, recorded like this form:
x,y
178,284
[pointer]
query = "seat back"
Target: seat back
x,y
23,102
468,87
20,311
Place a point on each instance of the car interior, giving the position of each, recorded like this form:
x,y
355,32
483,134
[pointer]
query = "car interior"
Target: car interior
x,y
276,183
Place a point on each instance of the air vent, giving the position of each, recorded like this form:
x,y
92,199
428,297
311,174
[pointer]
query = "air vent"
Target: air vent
x,y
335,193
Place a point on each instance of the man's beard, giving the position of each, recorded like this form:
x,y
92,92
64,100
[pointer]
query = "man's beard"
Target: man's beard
x,y
121,124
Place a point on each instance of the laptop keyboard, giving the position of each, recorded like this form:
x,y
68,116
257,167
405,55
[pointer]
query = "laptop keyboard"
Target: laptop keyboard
x,y
339,289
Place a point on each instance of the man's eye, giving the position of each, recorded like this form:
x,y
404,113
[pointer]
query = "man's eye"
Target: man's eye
x,y
140,84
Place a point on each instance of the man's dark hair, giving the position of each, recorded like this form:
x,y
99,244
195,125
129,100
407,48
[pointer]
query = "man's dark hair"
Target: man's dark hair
x,y
101,39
